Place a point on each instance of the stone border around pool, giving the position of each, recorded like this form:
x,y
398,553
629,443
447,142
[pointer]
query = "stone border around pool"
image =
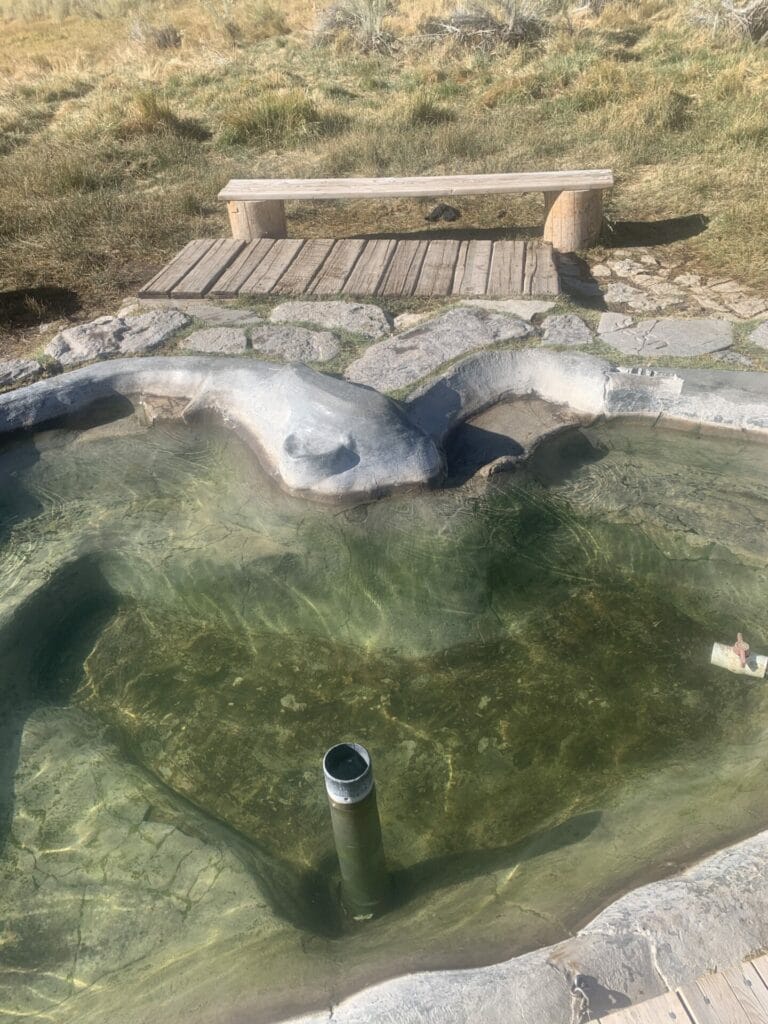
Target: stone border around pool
x,y
316,435
653,939
718,399
329,439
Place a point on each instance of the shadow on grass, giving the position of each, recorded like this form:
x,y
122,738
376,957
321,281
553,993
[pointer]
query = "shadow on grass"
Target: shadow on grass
x,y
629,233
460,234
28,307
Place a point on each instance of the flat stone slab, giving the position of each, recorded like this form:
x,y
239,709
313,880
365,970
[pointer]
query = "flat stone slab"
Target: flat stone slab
x,y
668,337
356,317
15,371
405,321
759,336
622,294
201,309
566,330
410,356
230,340
613,322
114,335
526,309
296,344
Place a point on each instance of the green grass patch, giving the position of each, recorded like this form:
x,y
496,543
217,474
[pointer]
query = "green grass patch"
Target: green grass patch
x,y
276,121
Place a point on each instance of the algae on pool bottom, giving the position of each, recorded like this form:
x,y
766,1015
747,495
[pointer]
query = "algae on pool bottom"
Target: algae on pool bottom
x,y
526,659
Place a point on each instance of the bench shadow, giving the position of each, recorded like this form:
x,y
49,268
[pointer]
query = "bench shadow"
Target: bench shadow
x,y
578,283
625,234
460,234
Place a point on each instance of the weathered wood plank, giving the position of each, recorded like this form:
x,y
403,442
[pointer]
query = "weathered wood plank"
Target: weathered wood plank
x,y
711,1000
544,279
403,272
370,267
436,276
209,269
473,279
506,273
760,964
337,267
663,1009
222,268
167,278
272,267
244,265
750,991
530,267
256,189
304,268
460,267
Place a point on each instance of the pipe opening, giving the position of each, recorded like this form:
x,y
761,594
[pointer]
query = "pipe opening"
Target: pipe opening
x,y
348,773
345,762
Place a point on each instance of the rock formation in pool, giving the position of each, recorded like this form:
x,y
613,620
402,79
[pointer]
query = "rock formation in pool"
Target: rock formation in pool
x,y
317,435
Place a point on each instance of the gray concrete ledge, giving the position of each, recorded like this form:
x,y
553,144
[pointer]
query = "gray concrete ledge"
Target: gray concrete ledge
x,y
587,384
318,436
655,938
327,438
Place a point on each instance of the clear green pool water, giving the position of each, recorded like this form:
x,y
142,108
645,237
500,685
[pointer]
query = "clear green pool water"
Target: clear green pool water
x,y
527,660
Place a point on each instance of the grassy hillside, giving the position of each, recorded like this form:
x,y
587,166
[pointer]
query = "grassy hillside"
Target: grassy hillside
x,y
120,122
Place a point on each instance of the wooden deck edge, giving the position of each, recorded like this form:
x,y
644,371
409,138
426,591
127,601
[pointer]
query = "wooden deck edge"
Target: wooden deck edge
x,y
361,268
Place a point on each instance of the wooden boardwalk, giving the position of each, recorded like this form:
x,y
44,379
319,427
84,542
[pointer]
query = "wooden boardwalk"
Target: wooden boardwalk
x,y
224,268
736,996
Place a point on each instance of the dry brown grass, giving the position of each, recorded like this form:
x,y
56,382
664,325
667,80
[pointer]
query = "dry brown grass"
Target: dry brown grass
x,y
112,151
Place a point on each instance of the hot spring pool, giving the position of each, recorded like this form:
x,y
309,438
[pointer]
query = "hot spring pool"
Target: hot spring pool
x,y
527,659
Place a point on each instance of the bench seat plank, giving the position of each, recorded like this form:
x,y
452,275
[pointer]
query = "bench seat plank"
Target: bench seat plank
x,y
337,267
264,189
272,267
304,268
403,272
209,269
228,285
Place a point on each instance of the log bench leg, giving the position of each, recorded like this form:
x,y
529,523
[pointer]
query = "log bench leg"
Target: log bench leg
x,y
573,219
257,220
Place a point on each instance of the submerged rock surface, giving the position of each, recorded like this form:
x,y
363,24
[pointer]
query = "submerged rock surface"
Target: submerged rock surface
x,y
212,633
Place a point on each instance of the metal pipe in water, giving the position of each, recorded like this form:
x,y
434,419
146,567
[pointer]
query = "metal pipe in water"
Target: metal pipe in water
x,y
365,884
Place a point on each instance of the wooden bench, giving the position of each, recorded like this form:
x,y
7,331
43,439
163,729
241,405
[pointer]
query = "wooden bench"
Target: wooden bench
x,y
573,199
